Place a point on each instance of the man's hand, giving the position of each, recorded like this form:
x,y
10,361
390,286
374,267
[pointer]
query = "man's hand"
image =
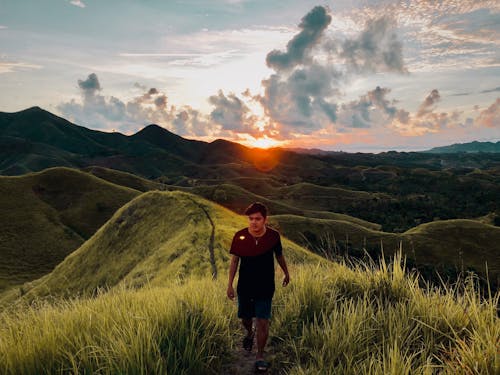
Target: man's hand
x,y
230,292
286,280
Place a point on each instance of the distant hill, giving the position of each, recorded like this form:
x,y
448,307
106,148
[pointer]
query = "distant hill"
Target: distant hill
x,y
46,215
467,147
238,192
397,190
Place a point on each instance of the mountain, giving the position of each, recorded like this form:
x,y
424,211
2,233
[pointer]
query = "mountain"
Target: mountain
x,y
47,215
397,190
467,147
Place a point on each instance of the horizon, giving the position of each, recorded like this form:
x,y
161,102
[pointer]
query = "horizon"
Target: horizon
x,y
333,77
497,140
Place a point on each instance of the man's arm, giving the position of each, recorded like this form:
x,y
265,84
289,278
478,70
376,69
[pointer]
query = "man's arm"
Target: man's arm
x,y
282,262
235,260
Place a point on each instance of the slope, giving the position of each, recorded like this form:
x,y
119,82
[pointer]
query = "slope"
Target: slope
x,y
443,245
236,194
158,238
46,215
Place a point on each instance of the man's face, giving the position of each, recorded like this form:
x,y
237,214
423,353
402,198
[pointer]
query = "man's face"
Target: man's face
x,y
256,222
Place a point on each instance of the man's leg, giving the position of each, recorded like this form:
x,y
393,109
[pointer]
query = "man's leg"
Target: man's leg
x,y
262,334
248,323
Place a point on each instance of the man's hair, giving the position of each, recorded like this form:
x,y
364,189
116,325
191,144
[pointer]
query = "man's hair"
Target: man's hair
x,y
256,207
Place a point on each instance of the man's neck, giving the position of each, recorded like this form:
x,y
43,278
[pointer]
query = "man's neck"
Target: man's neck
x,y
259,234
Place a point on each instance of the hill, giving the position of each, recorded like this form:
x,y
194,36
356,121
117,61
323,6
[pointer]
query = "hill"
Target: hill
x,y
331,319
405,189
157,238
46,215
238,192
467,147
448,246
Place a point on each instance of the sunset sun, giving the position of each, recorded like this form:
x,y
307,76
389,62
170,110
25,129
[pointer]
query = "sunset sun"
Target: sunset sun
x,y
264,142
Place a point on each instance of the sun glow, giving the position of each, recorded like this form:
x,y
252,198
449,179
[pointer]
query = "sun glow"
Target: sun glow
x,y
263,142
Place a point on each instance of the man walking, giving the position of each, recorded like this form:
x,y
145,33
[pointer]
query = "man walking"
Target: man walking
x,y
255,247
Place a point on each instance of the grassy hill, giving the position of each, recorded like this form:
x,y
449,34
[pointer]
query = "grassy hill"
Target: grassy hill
x,y
442,245
330,320
146,294
236,194
124,178
157,238
46,215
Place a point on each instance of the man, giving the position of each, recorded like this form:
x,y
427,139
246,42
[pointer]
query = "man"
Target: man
x,y
254,247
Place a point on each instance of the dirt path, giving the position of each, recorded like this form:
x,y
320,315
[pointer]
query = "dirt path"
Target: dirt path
x,y
211,241
243,362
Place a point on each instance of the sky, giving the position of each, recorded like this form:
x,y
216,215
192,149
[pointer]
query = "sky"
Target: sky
x,y
356,76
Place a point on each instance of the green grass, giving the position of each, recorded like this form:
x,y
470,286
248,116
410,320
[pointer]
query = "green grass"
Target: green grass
x,y
376,320
156,238
331,319
235,193
182,329
460,244
48,214
124,178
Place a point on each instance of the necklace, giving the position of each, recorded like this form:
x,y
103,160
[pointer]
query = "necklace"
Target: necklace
x,y
258,238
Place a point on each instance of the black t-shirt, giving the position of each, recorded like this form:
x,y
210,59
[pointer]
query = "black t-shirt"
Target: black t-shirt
x,y
256,276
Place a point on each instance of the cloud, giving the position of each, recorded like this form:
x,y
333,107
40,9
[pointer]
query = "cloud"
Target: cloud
x,y
491,90
99,111
90,86
490,117
78,3
232,113
303,94
301,101
191,122
371,110
7,66
428,104
312,26
376,49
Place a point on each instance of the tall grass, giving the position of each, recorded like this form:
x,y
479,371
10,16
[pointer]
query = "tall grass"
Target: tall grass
x,y
178,330
332,319
368,319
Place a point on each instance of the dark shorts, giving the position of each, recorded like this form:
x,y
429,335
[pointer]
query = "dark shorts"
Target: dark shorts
x,y
250,308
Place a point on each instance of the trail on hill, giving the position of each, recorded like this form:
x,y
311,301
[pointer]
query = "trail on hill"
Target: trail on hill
x,y
243,362
212,239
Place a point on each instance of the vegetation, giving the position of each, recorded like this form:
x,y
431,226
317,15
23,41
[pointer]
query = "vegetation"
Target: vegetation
x,y
155,239
449,247
361,319
46,215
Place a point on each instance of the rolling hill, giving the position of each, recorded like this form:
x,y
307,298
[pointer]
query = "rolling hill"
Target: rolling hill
x,y
443,245
158,238
46,215
467,147
238,192
406,188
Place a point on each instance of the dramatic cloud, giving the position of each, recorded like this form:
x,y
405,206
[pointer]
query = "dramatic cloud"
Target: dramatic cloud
x,y
372,110
108,113
303,95
313,24
376,49
490,117
232,113
300,102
